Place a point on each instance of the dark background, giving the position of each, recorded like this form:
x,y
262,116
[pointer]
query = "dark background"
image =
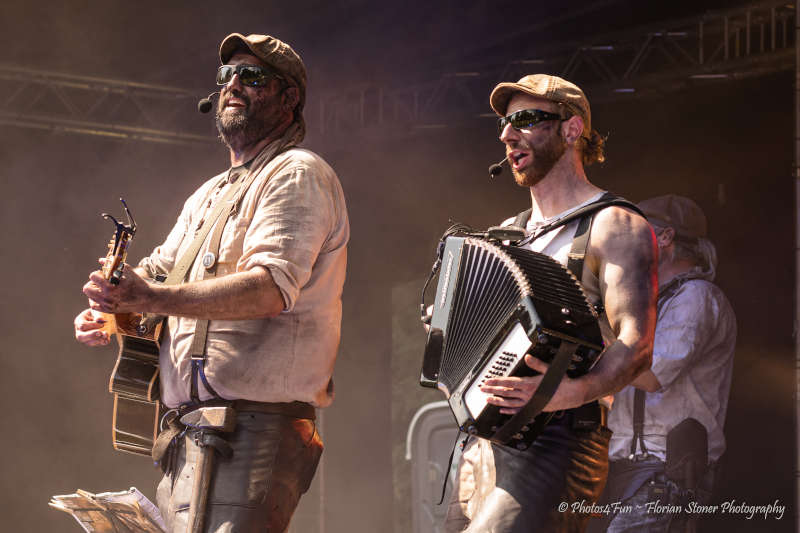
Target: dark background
x,y
727,145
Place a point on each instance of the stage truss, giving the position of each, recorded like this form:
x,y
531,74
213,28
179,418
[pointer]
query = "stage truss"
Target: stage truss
x,y
647,61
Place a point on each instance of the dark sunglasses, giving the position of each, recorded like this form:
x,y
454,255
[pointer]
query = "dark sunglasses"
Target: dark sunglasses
x,y
526,119
250,75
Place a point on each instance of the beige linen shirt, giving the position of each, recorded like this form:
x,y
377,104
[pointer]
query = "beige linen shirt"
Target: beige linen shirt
x,y
293,221
693,356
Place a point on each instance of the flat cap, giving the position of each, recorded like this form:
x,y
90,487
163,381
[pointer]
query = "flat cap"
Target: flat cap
x,y
677,212
278,55
548,87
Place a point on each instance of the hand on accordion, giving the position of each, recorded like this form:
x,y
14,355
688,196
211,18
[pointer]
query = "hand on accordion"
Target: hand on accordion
x,y
513,392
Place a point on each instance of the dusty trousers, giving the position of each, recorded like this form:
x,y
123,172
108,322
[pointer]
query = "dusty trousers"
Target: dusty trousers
x,y
257,489
503,490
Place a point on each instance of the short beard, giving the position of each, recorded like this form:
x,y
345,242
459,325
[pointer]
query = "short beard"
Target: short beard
x,y
242,127
545,158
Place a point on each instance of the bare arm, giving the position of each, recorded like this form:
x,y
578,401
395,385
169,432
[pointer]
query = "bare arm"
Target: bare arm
x,y
622,252
239,296
647,381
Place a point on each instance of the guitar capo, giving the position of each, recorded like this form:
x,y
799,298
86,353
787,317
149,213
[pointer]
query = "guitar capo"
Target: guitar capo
x,y
121,229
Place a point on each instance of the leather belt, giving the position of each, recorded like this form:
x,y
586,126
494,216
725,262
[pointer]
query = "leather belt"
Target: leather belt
x,y
171,427
588,416
293,409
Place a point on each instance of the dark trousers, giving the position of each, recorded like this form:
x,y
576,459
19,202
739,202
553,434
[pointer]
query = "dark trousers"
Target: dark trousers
x,y
532,487
258,488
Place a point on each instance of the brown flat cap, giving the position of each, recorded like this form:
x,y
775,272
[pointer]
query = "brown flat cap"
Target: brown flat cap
x,y
677,212
548,87
275,53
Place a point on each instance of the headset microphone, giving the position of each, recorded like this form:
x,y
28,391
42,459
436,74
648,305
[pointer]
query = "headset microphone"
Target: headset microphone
x,y
496,169
204,105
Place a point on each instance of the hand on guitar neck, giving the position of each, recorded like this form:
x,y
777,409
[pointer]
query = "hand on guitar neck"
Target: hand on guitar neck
x,y
115,288
112,307
131,293
114,292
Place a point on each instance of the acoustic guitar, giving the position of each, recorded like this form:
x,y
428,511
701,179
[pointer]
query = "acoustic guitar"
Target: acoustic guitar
x,y
134,380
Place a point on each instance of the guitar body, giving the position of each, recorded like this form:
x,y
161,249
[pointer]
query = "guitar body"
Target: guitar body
x,y
134,383
134,380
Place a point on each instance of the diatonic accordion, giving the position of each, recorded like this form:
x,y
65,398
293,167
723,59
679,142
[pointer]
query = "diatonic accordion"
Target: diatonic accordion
x,y
495,303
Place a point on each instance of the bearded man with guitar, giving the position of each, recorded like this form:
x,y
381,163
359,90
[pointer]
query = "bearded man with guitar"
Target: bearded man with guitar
x,y
254,271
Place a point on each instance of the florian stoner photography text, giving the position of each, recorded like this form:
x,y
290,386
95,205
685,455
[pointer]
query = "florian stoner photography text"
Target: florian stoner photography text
x,y
732,507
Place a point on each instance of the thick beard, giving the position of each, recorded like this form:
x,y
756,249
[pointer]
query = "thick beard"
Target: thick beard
x,y
241,127
545,158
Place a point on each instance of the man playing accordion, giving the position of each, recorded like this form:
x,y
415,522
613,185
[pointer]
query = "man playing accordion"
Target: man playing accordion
x,y
545,124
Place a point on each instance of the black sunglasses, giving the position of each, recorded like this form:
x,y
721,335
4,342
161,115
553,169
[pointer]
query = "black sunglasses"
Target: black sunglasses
x,y
250,75
526,119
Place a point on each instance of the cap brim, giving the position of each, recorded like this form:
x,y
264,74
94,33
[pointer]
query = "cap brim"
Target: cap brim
x,y
502,93
230,44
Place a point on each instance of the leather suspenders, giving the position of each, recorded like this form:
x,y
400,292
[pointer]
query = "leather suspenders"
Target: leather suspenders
x,y
638,425
575,262
216,220
639,395
580,241
198,349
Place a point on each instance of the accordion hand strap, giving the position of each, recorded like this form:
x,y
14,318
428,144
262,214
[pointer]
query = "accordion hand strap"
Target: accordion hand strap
x,y
547,387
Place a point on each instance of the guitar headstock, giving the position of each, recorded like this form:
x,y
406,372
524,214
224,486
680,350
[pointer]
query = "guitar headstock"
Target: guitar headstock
x,y
118,245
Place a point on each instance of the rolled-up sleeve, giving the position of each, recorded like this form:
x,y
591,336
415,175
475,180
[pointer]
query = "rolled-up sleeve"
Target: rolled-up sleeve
x,y
290,225
689,323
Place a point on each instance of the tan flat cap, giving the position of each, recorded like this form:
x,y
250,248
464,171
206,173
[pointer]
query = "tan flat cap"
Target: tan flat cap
x,y
548,87
278,55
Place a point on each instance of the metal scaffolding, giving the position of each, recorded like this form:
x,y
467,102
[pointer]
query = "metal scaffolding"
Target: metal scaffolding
x,y
732,44
725,45
65,103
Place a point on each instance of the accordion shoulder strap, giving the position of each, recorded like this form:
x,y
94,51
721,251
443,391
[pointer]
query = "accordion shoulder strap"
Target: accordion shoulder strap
x,y
581,239
580,242
608,199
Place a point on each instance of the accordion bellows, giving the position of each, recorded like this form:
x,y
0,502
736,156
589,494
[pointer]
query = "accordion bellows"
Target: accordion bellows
x,y
493,304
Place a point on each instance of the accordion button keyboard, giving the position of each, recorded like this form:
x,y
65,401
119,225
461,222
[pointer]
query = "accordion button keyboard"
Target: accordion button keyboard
x,y
502,363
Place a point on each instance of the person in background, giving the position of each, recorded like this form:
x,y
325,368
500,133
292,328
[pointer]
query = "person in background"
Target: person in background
x,y
680,402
